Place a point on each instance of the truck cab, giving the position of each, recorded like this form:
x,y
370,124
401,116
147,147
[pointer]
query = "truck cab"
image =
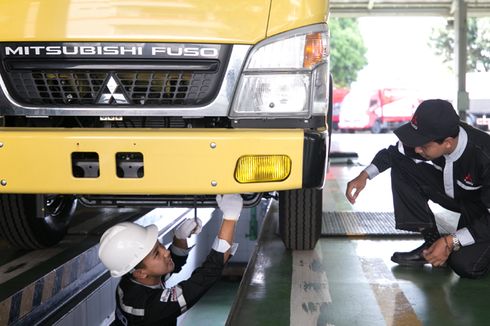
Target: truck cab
x,y
161,104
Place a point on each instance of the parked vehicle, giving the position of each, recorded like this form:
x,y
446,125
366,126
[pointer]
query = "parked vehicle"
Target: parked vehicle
x,y
337,98
376,110
478,114
162,104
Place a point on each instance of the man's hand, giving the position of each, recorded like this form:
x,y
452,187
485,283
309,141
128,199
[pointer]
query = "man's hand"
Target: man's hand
x,y
230,205
439,252
355,186
187,228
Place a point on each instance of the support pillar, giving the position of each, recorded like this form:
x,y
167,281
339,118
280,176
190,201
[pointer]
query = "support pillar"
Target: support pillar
x,y
460,29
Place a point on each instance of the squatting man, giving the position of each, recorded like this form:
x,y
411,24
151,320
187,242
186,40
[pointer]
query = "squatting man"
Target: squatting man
x,y
438,158
133,252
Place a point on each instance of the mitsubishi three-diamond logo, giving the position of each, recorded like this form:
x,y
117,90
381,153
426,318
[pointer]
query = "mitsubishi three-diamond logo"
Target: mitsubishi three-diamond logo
x,y
112,92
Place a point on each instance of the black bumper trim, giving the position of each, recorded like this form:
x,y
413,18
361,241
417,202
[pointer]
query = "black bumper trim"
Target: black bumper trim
x,y
314,159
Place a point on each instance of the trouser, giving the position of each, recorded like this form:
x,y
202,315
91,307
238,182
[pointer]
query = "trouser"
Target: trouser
x,y
413,185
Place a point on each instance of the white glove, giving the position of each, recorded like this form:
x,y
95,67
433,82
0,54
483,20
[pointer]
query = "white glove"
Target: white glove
x,y
230,205
187,228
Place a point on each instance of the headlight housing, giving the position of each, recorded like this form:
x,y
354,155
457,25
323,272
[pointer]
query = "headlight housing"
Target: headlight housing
x,y
286,76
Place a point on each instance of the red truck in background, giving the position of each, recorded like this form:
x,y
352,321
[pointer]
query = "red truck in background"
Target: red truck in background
x,y
376,110
337,98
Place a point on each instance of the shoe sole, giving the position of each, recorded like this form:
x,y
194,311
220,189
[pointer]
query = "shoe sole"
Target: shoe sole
x,y
409,263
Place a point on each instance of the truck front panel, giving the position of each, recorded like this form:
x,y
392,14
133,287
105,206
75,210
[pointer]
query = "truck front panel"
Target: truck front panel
x,y
89,88
178,161
196,21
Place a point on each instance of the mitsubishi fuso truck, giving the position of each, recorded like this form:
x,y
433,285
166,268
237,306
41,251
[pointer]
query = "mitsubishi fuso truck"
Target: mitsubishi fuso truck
x,y
161,103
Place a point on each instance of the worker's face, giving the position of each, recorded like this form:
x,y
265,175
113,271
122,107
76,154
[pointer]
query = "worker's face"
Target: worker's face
x,y
158,262
432,150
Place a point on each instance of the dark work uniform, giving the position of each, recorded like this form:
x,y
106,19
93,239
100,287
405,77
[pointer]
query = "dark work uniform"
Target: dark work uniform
x,y
459,182
138,304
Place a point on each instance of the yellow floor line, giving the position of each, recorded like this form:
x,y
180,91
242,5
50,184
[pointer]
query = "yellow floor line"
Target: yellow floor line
x,y
394,306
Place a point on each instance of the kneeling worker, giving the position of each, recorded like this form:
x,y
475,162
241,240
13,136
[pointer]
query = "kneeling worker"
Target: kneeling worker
x,y
134,253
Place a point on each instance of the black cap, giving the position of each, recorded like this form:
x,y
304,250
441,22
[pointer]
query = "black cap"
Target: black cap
x,y
433,119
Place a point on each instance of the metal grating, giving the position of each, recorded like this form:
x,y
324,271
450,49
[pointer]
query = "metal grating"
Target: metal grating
x,y
360,223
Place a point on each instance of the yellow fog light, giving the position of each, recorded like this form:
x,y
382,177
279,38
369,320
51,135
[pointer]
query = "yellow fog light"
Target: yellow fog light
x,y
262,168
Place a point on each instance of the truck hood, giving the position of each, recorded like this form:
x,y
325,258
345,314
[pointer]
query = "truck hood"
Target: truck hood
x,y
217,21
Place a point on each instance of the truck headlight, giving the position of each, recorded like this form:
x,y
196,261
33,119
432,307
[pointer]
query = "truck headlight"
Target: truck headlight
x,y
272,94
285,76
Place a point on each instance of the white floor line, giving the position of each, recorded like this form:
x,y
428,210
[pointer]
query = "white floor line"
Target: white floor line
x,y
309,287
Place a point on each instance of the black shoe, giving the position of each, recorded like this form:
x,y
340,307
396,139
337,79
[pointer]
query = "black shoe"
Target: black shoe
x,y
411,258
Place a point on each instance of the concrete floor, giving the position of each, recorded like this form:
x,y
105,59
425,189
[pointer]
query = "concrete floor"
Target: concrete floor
x,y
351,280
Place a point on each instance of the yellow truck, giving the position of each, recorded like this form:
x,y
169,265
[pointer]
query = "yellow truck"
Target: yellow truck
x,y
161,103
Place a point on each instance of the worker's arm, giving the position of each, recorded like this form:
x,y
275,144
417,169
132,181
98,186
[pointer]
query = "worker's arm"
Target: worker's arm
x,y
231,206
172,302
355,186
179,248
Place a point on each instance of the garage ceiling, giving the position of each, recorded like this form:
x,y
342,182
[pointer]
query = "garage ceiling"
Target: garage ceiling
x,y
405,7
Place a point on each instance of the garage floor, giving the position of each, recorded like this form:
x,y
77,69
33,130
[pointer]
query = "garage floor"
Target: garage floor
x,y
350,280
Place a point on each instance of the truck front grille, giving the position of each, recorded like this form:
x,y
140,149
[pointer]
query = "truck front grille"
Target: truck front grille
x,y
44,87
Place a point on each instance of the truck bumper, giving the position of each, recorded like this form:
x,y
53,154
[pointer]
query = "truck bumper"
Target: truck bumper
x,y
174,161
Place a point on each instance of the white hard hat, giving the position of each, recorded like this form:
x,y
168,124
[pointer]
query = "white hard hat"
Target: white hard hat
x,y
124,245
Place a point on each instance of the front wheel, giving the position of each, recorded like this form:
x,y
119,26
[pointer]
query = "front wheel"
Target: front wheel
x,y
35,221
300,218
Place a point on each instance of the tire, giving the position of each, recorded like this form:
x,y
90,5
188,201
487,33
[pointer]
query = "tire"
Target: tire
x,y
20,225
300,218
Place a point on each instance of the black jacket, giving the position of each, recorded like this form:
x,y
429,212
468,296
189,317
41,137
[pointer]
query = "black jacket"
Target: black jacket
x,y
137,304
470,182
